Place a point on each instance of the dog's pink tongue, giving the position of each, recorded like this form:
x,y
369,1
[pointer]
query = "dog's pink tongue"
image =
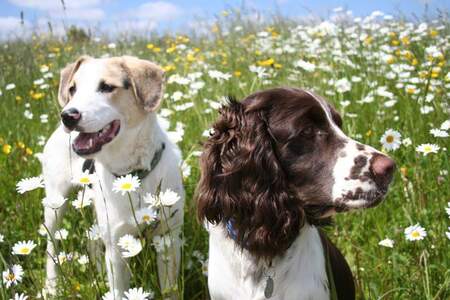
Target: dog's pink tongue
x,y
85,141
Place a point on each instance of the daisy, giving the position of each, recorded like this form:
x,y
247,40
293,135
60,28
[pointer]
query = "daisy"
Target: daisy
x,y
54,202
161,242
83,199
130,245
111,295
125,184
343,85
29,184
415,233
61,234
166,198
81,203
19,297
260,71
10,86
84,178
144,215
83,259
438,133
447,209
23,247
407,142
93,233
2,238
307,66
42,231
387,243
448,233
427,148
214,74
391,140
13,275
64,257
445,125
137,294
44,69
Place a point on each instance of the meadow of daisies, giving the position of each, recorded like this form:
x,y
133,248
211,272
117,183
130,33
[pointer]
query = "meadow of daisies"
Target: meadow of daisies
x,y
389,78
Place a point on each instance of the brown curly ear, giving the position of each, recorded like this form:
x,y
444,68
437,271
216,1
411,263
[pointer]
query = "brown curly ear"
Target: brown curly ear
x,y
66,77
243,181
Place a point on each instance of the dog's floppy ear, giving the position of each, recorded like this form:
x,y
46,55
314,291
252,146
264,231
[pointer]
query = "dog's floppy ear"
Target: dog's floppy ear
x,y
146,81
243,182
66,76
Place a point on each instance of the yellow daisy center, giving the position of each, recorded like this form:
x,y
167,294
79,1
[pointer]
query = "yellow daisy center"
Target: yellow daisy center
x,y
85,180
410,90
415,234
389,139
427,149
24,250
126,186
10,277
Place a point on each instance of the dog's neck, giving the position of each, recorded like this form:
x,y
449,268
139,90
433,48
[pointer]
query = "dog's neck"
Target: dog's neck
x,y
135,149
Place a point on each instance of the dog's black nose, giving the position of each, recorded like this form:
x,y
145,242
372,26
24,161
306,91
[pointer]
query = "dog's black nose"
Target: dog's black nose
x,y
70,117
382,168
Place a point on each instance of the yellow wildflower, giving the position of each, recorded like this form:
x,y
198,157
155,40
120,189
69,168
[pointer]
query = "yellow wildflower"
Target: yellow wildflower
x,y
266,63
6,148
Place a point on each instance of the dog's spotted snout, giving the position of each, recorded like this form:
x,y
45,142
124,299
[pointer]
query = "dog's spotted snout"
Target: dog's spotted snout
x,y
70,117
382,169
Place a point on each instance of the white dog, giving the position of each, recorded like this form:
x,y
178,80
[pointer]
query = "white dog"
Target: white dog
x,y
108,114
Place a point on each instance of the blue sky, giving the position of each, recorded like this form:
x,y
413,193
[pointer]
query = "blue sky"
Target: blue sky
x,y
115,15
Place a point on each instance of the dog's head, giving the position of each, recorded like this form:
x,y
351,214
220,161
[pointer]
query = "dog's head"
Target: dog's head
x,y
102,97
279,158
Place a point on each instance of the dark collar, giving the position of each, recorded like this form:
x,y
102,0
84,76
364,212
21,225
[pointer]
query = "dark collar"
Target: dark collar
x,y
142,173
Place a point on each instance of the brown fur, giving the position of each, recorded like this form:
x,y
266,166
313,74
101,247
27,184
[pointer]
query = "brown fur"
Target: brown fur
x,y
268,168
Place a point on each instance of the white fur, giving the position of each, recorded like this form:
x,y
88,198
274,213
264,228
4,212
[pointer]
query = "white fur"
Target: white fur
x,y
345,162
133,148
298,274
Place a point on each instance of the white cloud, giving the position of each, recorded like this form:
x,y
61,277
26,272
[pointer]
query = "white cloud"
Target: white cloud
x,y
157,11
84,10
134,26
11,26
54,4
85,14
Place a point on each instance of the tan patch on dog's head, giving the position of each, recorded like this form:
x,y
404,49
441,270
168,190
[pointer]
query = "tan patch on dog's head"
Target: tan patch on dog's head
x,y
66,78
146,79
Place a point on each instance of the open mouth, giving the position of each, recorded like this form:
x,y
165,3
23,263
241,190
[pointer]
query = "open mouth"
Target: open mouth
x,y
91,142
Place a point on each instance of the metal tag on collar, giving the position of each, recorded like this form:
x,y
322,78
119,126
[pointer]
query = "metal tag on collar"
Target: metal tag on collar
x,y
268,290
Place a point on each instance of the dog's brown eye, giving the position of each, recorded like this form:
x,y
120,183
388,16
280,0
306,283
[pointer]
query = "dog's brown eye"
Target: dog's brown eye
x,y
308,131
105,88
72,90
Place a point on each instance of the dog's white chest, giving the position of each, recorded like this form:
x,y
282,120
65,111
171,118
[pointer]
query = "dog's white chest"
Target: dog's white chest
x,y
299,274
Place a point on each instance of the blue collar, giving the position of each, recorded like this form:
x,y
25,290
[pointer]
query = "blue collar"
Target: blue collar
x,y
231,231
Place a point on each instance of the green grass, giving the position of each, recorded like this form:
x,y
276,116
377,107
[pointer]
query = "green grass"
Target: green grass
x,y
419,193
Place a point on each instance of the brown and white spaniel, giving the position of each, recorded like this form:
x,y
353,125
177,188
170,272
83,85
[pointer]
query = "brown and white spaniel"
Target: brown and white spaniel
x,y
276,166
